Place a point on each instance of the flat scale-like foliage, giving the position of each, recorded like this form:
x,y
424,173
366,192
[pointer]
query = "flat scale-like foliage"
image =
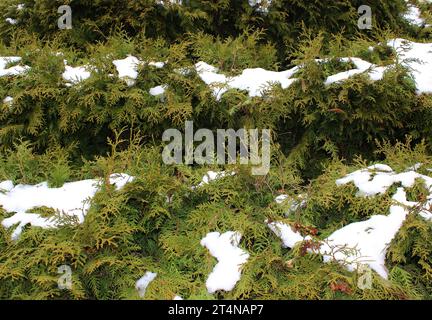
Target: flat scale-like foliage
x,y
57,128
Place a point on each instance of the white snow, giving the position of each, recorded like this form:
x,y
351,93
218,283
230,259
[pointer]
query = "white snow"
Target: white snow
x,y
413,15
12,71
371,182
377,179
295,204
255,81
185,71
415,167
366,242
227,272
212,176
163,2
6,186
142,284
158,91
11,21
372,237
375,73
128,69
281,198
288,236
157,64
74,75
369,239
421,69
8,100
72,199
262,5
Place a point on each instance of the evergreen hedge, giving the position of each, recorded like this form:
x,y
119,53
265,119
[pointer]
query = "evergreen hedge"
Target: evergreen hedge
x,y
59,133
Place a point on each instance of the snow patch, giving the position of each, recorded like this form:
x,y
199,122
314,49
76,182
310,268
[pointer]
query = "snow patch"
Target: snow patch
x,y
227,272
413,16
375,73
257,81
12,71
158,91
212,176
11,21
74,75
163,2
366,242
158,65
142,284
261,5
288,236
418,58
371,238
127,68
72,199
6,186
377,179
295,204
8,100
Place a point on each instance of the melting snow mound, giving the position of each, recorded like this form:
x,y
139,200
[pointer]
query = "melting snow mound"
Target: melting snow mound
x,y
227,272
71,199
366,242
418,58
142,284
12,71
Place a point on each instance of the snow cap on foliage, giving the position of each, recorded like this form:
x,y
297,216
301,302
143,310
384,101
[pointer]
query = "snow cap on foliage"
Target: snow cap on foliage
x,y
142,284
72,199
366,242
12,71
227,272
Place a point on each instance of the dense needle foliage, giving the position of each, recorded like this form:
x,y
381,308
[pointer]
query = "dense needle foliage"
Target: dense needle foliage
x,y
59,133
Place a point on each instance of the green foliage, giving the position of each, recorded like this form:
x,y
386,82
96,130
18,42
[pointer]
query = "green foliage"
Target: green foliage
x,y
96,20
320,119
59,133
21,165
234,55
411,254
156,223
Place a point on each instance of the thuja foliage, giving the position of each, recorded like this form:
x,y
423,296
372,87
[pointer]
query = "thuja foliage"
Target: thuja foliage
x,y
342,119
411,253
156,223
283,19
57,132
